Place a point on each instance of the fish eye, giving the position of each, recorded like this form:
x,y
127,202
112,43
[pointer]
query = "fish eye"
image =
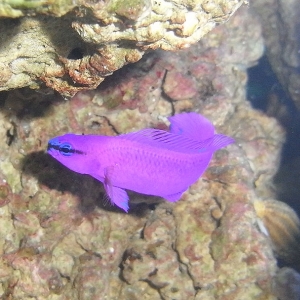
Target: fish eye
x,y
66,149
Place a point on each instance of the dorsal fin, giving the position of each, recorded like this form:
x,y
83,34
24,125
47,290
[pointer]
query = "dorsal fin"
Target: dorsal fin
x,y
179,143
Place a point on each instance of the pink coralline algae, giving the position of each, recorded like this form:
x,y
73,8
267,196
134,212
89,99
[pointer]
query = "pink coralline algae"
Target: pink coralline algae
x,y
178,86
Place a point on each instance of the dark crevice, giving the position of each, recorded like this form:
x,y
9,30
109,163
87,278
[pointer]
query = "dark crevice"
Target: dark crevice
x,y
164,95
76,53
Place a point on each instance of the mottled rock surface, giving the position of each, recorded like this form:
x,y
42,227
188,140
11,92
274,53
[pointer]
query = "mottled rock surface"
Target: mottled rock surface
x,y
77,51
60,239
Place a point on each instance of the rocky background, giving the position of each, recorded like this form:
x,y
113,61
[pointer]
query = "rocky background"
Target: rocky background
x,y
60,239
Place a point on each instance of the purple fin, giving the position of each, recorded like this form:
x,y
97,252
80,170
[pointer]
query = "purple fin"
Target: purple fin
x,y
219,141
192,126
167,140
117,195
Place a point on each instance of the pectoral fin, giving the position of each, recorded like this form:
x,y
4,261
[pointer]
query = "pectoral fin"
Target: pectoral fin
x,y
117,195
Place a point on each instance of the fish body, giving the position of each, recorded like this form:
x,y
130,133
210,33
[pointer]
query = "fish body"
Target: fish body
x,y
150,161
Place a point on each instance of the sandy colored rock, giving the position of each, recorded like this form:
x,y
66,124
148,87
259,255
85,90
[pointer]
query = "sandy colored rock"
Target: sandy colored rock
x,y
95,38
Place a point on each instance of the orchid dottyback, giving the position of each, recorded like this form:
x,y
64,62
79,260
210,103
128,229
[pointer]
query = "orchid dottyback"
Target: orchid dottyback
x,y
150,161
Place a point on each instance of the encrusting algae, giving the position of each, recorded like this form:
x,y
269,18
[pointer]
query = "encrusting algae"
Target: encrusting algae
x,y
283,227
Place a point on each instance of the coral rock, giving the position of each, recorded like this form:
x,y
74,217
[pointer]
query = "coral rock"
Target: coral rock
x,y
95,38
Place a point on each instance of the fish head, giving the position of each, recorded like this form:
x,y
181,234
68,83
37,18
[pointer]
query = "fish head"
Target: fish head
x,y
71,151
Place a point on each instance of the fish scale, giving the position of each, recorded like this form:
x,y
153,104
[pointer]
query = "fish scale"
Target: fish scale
x,y
156,167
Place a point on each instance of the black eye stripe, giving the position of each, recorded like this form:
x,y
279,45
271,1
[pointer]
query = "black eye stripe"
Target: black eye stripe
x,y
79,152
64,149
67,149
52,146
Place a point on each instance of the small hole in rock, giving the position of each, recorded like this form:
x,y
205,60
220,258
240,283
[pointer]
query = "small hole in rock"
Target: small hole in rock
x,y
75,53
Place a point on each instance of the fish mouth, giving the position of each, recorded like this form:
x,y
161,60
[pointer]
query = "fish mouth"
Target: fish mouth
x,y
53,145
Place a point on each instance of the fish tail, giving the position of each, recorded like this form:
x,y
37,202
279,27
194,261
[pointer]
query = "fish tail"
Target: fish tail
x,y
192,125
198,128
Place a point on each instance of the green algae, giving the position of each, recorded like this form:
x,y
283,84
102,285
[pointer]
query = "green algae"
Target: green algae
x,y
12,176
112,101
4,191
18,8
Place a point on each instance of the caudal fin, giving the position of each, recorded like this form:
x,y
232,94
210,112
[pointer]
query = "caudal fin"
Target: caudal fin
x,y
218,141
192,126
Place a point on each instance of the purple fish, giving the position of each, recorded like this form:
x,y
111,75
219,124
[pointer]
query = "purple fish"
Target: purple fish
x,y
149,161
